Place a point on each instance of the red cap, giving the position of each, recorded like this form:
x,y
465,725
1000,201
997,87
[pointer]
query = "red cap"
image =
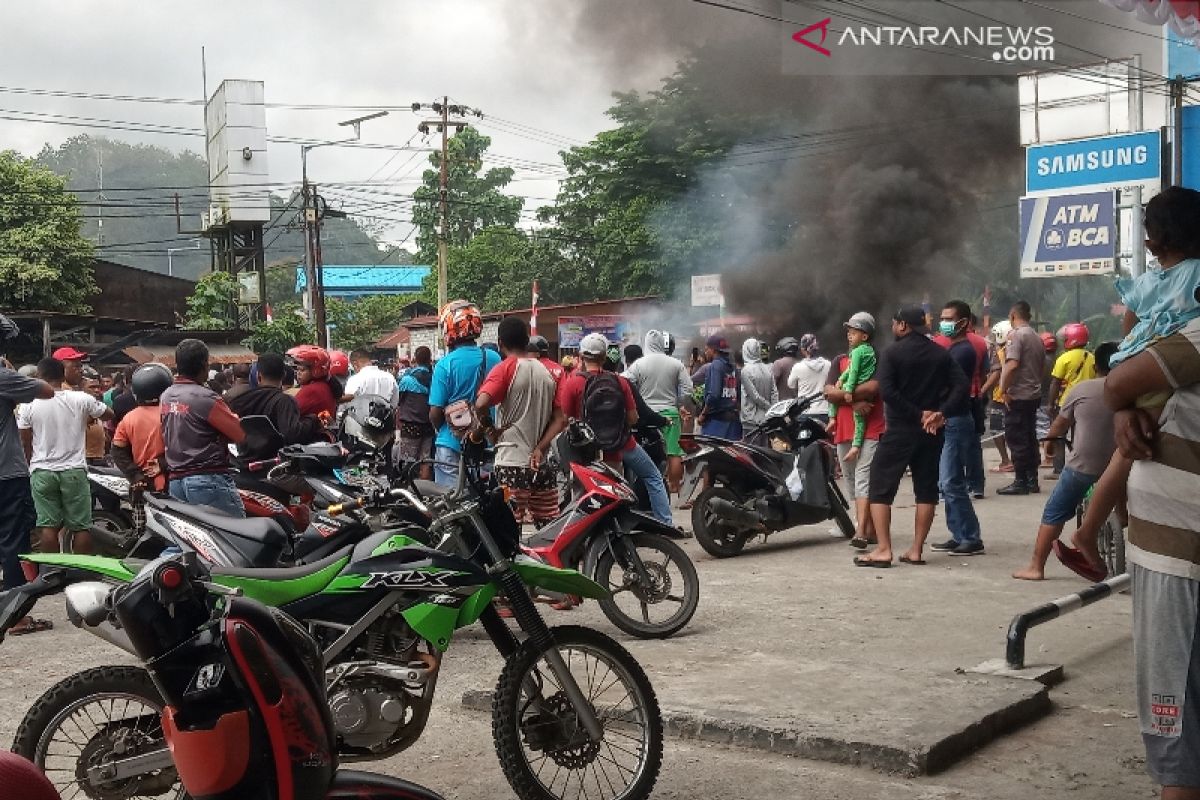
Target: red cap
x,y
69,354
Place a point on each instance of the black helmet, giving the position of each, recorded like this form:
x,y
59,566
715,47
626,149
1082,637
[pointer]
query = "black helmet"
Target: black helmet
x,y
150,381
788,346
539,345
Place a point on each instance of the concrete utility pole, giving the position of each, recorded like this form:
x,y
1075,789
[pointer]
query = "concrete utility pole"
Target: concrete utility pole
x,y
313,279
444,111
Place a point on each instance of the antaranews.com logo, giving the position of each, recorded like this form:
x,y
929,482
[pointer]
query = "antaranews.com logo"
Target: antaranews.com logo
x,y
825,48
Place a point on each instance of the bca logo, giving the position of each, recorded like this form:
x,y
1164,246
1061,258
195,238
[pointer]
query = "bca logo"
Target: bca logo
x,y
408,579
1054,239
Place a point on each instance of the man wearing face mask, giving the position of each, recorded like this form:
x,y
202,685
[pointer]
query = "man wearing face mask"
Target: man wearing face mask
x,y
961,440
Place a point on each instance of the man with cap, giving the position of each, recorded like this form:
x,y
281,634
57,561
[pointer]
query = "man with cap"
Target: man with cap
x,y
720,414
921,386
72,360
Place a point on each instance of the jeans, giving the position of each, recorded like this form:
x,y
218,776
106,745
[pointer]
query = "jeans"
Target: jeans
x,y
644,468
976,480
216,490
15,524
1020,432
1068,493
956,455
445,466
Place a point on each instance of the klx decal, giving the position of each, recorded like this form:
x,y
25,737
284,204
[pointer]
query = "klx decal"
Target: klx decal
x,y
408,579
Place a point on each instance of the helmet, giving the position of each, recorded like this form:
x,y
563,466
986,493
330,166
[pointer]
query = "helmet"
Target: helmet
x,y
311,356
1049,342
538,344
459,320
369,420
668,342
339,363
613,355
1074,334
809,343
862,321
1000,332
788,346
150,381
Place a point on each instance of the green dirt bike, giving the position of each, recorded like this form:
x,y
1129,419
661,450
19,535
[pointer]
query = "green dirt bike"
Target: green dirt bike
x,y
573,713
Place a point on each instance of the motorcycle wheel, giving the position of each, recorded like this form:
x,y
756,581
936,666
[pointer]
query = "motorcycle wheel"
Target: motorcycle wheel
x,y
841,514
539,739
674,586
718,539
112,533
85,720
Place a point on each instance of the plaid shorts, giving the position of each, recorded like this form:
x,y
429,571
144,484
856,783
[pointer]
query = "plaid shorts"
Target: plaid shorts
x,y
534,492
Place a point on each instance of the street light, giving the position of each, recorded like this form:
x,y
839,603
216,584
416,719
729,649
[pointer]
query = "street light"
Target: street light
x,y
312,241
170,250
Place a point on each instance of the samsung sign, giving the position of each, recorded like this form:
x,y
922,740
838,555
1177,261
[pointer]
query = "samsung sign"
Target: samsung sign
x,y
1107,161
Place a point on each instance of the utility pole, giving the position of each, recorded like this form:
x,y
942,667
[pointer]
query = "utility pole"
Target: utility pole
x,y
1178,86
444,111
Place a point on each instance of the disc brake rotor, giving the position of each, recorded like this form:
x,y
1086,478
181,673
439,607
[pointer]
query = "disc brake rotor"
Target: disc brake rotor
x,y
660,582
118,740
556,730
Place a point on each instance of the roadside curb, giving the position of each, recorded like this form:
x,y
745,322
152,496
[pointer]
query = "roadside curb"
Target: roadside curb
x,y
931,748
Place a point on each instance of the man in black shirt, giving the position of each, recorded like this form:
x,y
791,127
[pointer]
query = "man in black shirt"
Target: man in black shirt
x,y
921,386
269,400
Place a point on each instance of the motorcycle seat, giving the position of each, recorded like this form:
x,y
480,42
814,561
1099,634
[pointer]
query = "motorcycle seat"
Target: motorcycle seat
x,y
259,529
101,470
286,573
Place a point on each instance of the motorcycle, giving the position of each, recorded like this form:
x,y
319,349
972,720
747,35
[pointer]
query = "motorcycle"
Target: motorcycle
x,y
383,612
601,532
239,695
758,490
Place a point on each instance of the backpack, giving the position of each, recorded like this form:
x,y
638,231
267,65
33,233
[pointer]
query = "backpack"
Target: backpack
x,y
604,410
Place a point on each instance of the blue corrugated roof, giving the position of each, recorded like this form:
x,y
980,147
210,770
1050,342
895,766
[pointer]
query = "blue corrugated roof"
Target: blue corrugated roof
x,y
367,278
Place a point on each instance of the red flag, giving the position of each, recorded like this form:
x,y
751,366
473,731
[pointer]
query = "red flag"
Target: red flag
x,y
533,311
267,312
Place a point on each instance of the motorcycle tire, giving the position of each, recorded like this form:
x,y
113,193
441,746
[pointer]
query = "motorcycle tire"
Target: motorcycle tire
x,y
53,709
688,599
709,533
513,730
841,514
112,533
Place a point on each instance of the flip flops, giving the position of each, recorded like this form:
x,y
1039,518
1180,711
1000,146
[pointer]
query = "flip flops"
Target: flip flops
x,y
30,625
1002,469
870,562
916,562
1075,561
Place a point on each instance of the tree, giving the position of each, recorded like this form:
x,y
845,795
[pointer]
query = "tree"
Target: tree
x,y
366,320
211,306
288,329
45,264
474,196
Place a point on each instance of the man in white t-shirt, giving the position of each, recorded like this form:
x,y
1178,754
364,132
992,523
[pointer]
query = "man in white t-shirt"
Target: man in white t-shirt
x,y
53,434
370,379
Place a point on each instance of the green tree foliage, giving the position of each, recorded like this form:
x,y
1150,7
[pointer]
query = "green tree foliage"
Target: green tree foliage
x,y
288,329
211,304
474,195
363,321
45,264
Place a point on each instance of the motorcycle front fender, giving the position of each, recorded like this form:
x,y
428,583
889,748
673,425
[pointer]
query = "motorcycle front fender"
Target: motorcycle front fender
x,y
554,579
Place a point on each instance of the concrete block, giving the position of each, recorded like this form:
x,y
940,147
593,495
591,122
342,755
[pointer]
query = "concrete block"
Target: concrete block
x,y
1045,674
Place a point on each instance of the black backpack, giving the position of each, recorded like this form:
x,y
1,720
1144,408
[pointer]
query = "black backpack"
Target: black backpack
x,y
604,410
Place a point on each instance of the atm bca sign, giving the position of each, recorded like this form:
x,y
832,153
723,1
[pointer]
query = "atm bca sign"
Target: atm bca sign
x,y
1068,235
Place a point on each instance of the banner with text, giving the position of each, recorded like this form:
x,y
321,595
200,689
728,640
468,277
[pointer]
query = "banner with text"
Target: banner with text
x,y
615,327
1070,234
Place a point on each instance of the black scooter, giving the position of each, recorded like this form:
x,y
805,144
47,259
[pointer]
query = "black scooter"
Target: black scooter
x,y
759,490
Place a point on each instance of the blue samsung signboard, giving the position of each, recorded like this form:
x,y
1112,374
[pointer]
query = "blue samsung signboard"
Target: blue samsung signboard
x,y
1070,234
1126,158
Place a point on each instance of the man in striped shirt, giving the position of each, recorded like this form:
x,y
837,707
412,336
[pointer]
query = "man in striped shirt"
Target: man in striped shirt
x,y
1164,550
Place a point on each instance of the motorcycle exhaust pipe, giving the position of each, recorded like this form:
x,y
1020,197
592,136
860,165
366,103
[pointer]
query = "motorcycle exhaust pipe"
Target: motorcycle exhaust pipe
x,y
732,512
87,610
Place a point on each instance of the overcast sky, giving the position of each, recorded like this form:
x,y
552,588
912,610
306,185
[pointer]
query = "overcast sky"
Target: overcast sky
x,y
483,53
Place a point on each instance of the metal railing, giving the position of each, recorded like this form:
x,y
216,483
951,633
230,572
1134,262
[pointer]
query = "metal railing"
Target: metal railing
x,y
1014,653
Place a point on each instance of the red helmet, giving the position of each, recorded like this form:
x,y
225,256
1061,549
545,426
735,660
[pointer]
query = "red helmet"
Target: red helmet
x,y
1074,334
311,356
459,320
339,363
1048,341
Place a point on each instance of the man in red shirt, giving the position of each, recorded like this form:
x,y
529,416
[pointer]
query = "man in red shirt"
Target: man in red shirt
x,y
319,392
540,348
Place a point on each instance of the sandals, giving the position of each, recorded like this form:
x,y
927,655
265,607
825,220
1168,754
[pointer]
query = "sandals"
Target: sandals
x,y
1002,469
30,625
916,562
870,562
1075,561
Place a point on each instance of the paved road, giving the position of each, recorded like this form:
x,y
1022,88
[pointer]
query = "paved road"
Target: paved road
x,y
790,630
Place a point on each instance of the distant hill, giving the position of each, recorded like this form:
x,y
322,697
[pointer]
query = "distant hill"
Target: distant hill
x,y
135,214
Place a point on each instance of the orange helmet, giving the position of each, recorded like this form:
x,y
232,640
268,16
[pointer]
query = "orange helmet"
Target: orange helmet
x,y
1074,334
1048,341
311,356
459,320
339,363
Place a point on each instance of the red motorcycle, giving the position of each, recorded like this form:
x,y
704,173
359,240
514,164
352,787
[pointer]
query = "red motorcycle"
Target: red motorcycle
x,y
601,533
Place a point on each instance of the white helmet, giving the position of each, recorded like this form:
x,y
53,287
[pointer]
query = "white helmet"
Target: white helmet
x,y
1000,332
594,344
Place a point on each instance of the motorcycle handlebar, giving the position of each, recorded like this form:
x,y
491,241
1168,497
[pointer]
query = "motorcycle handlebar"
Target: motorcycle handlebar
x,y
341,508
257,466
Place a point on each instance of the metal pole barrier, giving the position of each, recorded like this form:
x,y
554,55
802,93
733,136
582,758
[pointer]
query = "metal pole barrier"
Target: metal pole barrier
x,y
1014,653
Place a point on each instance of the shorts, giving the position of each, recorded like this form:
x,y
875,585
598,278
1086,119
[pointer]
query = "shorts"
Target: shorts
x,y
1166,652
671,432
1068,493
63,498
996,417
901,449
414,443
534,492
858,474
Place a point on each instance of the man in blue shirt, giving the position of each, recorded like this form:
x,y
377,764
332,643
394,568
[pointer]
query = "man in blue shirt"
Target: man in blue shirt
x,y
457,376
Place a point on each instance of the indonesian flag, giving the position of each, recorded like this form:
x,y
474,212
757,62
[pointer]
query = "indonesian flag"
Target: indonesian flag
x,y
1183,16
267,312
533,311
